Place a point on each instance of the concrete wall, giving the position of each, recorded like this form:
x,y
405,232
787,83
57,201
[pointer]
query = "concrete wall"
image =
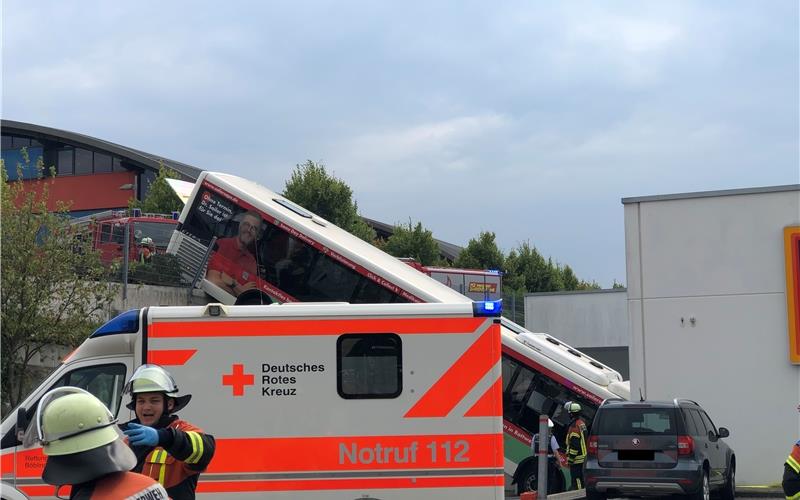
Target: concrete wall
x,y
139,296
707,315
596,322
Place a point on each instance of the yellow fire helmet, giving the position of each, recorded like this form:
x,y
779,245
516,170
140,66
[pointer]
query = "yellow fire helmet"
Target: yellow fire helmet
x,y
153,378
80,437
573,407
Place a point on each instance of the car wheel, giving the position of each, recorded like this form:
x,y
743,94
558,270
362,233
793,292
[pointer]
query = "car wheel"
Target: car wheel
x,y
729,490
528,480
704,492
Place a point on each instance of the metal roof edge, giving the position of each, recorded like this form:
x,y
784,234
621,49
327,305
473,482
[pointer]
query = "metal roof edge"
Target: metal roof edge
x,y
577,292
712,194
146,159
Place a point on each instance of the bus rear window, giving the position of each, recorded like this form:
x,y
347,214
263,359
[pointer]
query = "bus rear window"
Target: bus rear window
x,y
636,421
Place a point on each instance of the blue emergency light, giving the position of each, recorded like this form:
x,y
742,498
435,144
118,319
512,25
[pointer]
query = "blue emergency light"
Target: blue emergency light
x,y
487,308
127,322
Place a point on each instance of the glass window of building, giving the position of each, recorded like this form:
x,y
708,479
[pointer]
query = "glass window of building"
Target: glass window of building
x,y
6,144
102,162
65,161
116,165
83,161
20,142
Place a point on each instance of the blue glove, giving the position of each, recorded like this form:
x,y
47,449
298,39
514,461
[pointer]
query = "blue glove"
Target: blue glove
x,y
141,435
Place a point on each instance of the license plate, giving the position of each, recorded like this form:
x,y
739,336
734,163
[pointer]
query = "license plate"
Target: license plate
x,y
636,454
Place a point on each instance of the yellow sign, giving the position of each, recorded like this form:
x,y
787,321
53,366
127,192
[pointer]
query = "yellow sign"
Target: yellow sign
x,y
477,287
791,239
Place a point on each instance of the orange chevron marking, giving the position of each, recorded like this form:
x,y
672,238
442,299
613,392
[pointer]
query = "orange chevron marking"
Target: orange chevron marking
x,y
460,378
490,404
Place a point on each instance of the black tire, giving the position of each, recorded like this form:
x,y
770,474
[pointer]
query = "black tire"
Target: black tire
x,y
704,491
595,495
252,297
528,481
728,491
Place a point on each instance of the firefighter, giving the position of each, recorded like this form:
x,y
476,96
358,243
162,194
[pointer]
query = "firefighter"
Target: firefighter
x,y
576,444
168,449
147,251
85,449
791,474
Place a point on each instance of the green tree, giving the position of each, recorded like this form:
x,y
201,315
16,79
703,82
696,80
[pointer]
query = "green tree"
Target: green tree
x,y
528,270
571,282
311,187
616,285
413,241
53,284
589,285
481,253
160,197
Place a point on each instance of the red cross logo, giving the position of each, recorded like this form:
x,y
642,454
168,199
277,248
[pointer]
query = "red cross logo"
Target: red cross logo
x,y
238,379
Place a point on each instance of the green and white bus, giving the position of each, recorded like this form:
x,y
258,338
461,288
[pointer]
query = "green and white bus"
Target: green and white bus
x,y
295,255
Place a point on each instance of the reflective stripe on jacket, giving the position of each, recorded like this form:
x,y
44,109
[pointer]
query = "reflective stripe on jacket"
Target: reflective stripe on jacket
x,y
178,464
576,442
791,474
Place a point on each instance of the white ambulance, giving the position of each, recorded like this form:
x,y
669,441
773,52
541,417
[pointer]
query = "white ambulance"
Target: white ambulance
x,y
333,401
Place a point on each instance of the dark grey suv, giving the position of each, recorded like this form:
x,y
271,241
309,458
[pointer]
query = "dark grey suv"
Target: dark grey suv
x,y
657,448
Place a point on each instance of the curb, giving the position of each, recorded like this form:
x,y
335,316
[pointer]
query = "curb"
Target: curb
x,y
760,491
741,491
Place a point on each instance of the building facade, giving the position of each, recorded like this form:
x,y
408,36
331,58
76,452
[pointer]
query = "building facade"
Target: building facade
x,y
91,174
709,314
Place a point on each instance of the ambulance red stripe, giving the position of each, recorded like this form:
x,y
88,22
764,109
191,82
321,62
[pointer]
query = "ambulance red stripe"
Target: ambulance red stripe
x,y
267,328
205,486
290,454
170,357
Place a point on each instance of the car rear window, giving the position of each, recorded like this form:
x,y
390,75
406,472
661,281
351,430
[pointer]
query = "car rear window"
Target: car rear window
x,y
635,421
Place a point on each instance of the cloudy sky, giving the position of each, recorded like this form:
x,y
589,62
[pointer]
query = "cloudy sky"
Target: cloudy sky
x,y
531,119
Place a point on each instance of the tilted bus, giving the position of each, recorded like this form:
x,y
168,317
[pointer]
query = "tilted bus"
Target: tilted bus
x,y
299,256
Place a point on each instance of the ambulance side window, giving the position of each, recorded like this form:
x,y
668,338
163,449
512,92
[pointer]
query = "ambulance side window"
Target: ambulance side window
x,y
369,366
103,381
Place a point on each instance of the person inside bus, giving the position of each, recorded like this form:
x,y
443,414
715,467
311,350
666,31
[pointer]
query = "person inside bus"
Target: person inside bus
x,y
167,448
233,265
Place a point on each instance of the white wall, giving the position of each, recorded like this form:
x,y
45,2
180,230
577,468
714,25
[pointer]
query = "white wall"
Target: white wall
x,y
719,260
581,319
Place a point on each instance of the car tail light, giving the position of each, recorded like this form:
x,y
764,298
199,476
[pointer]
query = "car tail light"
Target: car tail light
x,y
592,446
685,445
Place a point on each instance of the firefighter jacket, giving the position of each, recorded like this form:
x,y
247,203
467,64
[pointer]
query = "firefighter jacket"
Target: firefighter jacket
x,y
128,485
576,442
791,474
183,452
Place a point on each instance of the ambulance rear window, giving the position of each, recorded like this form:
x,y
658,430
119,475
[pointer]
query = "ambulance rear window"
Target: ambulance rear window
x,y
369,366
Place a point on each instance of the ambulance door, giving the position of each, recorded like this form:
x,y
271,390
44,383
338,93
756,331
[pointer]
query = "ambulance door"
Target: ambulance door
x,y
104,377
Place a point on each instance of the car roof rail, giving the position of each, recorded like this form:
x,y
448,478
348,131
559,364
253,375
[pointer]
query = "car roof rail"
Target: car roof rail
x,y
608,400
678,401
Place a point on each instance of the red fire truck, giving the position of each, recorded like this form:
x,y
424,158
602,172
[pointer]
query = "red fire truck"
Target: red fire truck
x,y
107,233
476,284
